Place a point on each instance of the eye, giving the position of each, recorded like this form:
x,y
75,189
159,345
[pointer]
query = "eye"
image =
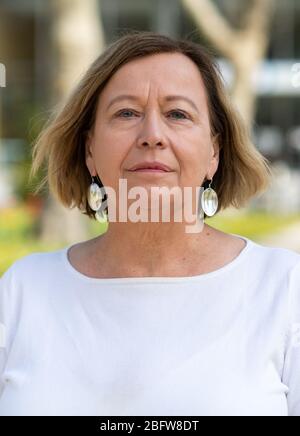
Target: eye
x,y
124,111
180,113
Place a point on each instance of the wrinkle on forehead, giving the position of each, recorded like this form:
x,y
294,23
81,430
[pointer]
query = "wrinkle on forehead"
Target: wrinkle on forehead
x,y
157,75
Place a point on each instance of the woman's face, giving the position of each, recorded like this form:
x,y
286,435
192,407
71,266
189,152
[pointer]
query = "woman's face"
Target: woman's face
x,y
164,118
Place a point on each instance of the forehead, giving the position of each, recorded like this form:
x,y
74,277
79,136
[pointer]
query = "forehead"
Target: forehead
x,y
165,73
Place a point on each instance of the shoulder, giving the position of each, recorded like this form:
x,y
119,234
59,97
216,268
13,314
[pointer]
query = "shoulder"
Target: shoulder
x,y
31,268
26,286
257,256
22,299
278,259
274,273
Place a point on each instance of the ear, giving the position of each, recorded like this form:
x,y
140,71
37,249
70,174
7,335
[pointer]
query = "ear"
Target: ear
x,y
89,154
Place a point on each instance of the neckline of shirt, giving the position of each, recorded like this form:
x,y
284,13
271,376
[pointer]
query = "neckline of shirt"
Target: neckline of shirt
x,y
156,279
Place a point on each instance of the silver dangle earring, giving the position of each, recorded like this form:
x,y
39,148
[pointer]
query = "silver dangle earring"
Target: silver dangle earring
x,y
94,196
209,200
101,216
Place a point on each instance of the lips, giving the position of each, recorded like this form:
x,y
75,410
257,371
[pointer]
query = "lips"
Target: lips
x,y
158,166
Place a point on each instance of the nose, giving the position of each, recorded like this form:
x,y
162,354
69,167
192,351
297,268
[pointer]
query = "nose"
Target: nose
x,y
152,131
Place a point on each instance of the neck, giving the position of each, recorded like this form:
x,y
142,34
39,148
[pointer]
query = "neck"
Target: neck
x,y
152,249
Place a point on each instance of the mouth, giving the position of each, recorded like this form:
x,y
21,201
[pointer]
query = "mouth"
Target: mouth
x,y
151,167
149,170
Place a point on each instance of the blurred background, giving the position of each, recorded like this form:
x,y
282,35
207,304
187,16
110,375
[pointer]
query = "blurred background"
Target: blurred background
x,y
45,46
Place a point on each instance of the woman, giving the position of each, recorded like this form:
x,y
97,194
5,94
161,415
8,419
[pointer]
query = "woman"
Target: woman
x,y
149,318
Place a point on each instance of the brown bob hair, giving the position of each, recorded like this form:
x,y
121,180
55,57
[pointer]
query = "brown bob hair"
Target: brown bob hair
x,y
242,172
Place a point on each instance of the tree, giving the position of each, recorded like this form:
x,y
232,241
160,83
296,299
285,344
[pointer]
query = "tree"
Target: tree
x,y
78,39
245,47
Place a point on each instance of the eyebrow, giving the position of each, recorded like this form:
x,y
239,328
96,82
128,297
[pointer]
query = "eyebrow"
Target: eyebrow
x,y
167,98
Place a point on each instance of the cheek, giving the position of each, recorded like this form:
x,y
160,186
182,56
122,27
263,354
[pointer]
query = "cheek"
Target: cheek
x,y
110,142
193,161
109,157
193,158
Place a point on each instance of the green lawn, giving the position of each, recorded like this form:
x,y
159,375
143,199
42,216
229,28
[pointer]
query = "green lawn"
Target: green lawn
x,y
254,225
17,237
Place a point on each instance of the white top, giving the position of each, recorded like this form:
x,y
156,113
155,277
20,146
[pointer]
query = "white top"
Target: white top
x,y
225,343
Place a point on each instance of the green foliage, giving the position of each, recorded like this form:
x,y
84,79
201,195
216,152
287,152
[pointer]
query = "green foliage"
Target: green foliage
x,y
17,236
16,224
